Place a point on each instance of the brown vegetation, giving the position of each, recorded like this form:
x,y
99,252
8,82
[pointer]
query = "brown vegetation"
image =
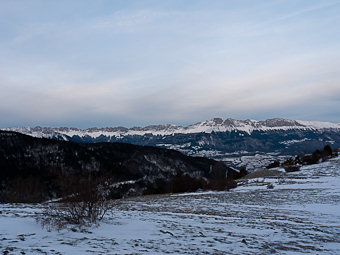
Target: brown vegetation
x,y
293,164
85,201
26,190
184,183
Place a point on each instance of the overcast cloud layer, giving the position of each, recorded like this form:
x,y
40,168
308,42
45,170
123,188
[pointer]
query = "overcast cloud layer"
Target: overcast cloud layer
x,y
110,63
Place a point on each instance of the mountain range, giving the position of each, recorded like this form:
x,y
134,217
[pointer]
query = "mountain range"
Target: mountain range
x,y
36,169
238,142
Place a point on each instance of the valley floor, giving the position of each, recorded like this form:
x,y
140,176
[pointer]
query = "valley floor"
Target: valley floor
x,y
300,215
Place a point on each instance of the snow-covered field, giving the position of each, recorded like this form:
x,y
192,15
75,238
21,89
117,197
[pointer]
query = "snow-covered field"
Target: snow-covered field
x,y
251,162
300,215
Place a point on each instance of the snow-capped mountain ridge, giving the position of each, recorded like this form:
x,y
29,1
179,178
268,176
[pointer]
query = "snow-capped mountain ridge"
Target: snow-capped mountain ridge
x,y
209,126
241,142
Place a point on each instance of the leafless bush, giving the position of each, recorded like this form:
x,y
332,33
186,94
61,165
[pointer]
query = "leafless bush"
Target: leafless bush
x,y
224,184
270,186
85,205
291,168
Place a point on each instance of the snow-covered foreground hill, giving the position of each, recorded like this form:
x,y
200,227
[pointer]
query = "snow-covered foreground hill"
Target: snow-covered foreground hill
x,y
300,215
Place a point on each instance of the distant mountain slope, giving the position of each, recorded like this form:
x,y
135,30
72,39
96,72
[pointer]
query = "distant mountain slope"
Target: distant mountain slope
x,y
133,168
226,140
214,125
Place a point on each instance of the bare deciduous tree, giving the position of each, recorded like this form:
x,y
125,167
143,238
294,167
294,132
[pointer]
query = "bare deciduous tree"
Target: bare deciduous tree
x,y
83,203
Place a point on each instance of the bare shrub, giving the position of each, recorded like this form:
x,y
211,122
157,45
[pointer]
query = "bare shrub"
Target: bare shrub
x,y
274,164
86,203
183,183
242,172
220,185
291,168
327,150
270,186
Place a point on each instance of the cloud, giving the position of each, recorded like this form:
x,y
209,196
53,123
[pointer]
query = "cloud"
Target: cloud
x,y
298,82
312,8
180,64
124,19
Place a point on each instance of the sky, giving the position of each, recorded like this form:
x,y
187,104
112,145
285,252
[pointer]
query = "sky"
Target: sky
x,y
135,63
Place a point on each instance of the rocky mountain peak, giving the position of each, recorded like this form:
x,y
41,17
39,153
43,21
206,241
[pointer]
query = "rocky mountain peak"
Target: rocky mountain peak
x,y
214,125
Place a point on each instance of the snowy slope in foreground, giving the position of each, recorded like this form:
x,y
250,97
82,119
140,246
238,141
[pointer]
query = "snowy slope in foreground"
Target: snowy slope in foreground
x,y
214,125
301,215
